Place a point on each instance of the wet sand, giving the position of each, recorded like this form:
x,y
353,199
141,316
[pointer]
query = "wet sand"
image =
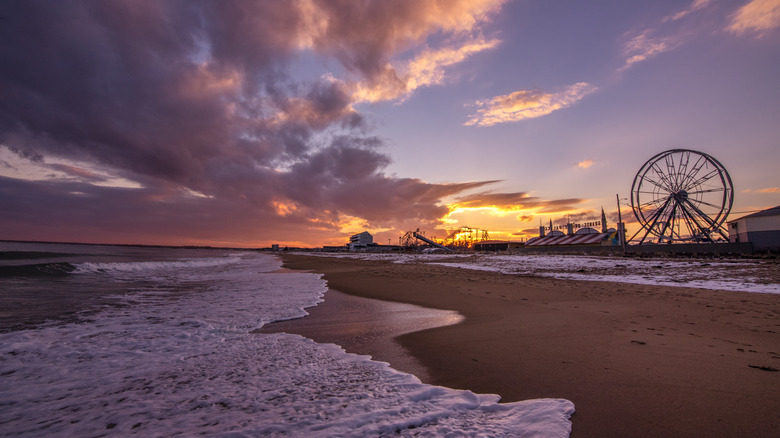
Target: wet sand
x,y
368,326
636,360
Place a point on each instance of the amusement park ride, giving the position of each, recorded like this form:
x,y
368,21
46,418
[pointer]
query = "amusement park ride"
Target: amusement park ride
x,y
682,195
678,196
462,237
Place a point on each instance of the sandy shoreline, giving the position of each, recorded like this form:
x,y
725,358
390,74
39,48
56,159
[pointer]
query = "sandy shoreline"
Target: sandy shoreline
x,y
636,360
368,327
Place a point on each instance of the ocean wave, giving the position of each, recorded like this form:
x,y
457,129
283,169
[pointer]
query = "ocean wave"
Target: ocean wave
x,y
35,270
89,267
23,255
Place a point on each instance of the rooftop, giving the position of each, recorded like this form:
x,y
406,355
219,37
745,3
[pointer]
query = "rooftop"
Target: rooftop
x,y
774,211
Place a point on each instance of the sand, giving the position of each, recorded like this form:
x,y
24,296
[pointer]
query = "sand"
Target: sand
x,y
636,360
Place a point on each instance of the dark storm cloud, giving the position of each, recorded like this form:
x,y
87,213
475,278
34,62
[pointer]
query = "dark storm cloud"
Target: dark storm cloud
x,y
341,176
196,95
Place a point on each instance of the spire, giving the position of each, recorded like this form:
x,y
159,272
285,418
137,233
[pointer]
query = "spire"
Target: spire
x,y
603,221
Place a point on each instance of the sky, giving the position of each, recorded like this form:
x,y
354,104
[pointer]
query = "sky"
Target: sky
x,y
249,123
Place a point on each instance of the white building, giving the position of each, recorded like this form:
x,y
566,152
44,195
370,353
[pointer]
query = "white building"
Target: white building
x,y
360,241
762,229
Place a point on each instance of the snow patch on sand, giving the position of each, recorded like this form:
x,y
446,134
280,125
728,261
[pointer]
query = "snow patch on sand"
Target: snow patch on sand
x,y
729,275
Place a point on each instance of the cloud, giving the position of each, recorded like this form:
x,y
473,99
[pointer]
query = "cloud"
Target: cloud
x,y
57,210
645,46
79,172
17,165
194,103
770,190
758,17
527,104
585,164
695,6
425,70
364,35
513,202
497,200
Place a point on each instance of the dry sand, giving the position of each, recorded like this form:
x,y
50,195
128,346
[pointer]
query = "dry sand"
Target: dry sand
x,y
636,360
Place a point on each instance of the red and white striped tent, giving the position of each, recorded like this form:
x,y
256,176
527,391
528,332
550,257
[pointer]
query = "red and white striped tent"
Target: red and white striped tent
x,y
571,239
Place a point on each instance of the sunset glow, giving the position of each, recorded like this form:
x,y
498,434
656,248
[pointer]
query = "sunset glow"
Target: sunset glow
x,y
301,123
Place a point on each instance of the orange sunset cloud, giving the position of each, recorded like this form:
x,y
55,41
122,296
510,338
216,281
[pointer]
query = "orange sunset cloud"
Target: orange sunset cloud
x,y
758,16
527,104
425,70
585,164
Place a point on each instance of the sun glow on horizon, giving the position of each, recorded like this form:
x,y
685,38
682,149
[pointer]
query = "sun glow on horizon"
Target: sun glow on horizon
x,y
521,222
501,222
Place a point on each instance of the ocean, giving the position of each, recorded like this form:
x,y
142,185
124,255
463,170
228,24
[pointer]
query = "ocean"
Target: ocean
x,y
121,340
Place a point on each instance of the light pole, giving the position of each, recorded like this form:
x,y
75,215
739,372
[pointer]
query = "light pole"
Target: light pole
x,y
621,226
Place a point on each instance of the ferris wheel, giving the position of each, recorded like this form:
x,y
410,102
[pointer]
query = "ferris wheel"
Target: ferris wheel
x,y
682,195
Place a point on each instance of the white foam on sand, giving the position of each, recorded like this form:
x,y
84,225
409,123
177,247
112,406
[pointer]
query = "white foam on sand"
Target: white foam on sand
x,y
180,359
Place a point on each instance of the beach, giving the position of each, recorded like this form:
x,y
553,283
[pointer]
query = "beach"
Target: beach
x,y
640,360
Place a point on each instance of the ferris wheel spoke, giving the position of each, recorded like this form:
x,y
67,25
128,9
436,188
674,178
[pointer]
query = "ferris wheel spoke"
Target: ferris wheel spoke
x,y
653,206
714,227
683,167
703,215
655,183
669,220
707,191
671,170
703,179
655,202
692,216
680,220
676,169
657,214
718,207
663,177
694,227
697,166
